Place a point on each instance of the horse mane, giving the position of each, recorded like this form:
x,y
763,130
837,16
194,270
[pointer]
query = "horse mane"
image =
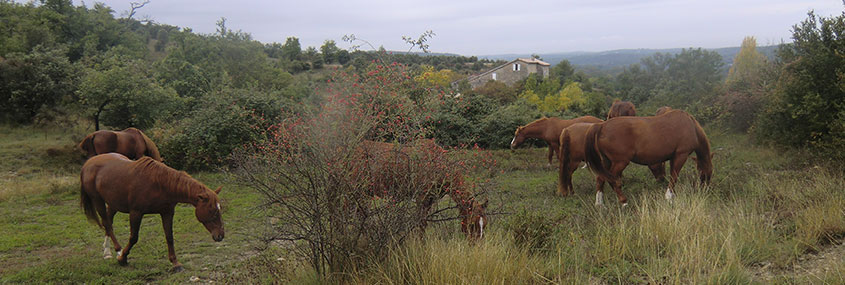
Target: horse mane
x,y
176,181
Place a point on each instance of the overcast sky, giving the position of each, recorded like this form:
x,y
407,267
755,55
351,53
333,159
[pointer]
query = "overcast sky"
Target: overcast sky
x,y
496,26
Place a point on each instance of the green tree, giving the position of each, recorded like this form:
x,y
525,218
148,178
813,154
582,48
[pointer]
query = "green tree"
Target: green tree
x,y
291,50
329,50
124,94
563,71
33,82
808,105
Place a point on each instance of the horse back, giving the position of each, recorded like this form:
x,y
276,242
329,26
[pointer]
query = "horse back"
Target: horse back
x,y
647,140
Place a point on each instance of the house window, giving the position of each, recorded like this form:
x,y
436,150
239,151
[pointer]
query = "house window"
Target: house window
x,y
516,67
494,76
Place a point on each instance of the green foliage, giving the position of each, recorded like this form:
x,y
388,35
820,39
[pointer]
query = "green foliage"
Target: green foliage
x,y
221,122
496,129
291,50
808,105
495,90
34,82
122,93
563,71
457,121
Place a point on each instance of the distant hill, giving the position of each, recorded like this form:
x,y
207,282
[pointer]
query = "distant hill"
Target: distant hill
x,y
615,59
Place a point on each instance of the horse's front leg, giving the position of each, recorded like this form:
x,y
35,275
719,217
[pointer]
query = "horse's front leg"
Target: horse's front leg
x,y
167,223
134,225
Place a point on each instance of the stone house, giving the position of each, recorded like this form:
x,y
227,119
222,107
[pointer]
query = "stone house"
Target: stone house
x,y
509,73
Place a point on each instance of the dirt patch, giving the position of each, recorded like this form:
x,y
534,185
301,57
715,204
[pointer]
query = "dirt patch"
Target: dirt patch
x,y
811,264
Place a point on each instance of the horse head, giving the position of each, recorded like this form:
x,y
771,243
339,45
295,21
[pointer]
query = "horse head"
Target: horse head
x,y
518,137
473,218
208,213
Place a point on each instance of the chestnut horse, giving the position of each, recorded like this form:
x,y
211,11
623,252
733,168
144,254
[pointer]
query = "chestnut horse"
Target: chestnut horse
x,y
130,142
673,136
113,183
621,108
439,179
548,130
572,141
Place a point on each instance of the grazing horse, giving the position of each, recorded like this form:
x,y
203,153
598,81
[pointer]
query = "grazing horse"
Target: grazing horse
x,y
571,154
547,129
113,183
130,142
572,141
621,108
673,136
383,165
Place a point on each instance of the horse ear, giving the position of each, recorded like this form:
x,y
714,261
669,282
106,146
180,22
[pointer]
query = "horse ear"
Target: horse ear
x,y
218,189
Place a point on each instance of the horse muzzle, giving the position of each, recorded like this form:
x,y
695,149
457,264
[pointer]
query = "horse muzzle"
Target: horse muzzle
x,y
218,236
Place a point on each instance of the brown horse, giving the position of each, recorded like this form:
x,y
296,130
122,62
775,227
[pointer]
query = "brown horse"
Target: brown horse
x,y
673,136
572,140
621,108
548,130
130,142
112,183
439,179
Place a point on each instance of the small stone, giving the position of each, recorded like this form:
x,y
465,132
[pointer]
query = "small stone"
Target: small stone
x,y
195,279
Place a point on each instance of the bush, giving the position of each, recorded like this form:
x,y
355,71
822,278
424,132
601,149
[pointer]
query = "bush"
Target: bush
x,y
221,122
344,201
34,82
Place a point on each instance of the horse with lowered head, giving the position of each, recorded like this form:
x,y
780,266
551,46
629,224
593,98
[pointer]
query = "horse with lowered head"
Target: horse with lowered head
x,y
130,142
548,130
113,183
621,108
385,165
673,136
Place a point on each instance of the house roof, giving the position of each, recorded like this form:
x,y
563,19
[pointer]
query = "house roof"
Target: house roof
x,y
533,60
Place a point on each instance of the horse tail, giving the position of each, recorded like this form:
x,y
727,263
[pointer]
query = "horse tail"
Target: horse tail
x,y
593,154
703,154
88,205
564,177
87,144
151,149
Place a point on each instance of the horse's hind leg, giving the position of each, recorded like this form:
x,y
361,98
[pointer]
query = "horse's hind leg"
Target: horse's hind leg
x,y
134,225
616,169
107,224
675,166
599,191
106,216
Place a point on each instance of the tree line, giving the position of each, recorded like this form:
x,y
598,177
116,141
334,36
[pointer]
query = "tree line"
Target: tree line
x,y
203,95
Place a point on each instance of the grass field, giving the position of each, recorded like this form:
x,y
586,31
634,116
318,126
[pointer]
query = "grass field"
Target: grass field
x,y
769,217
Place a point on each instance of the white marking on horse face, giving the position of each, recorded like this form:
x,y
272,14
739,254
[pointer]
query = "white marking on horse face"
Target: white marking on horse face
x,y
218,206
599,200
481,225
513,140
669,194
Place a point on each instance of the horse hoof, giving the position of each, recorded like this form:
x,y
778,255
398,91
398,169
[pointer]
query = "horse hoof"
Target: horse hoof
x,y
107,256
178,269
122,262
